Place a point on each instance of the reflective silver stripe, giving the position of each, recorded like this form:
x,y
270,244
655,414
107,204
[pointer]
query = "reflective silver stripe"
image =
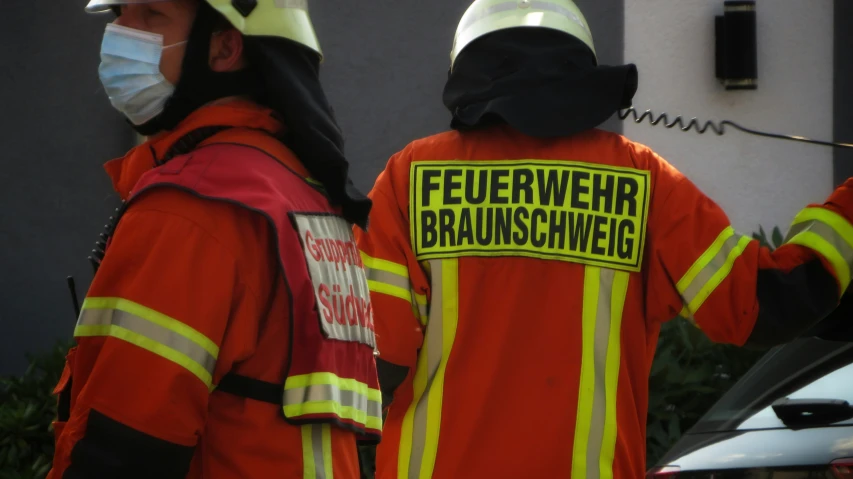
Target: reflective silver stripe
x,y
516,5
604,295
826,232
328,392
434,344
388,278
402,282
154,332
599,401
718,261
317,452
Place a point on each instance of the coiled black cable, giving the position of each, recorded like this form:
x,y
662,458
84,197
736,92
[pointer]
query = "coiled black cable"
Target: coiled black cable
x,y
717,127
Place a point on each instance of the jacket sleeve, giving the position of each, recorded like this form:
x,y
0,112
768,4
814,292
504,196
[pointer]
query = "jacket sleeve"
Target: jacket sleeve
x,y
730,286
149,339
398,283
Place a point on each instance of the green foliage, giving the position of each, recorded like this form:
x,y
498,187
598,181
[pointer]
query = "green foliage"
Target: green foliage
x,y
777,238
27,409
689,374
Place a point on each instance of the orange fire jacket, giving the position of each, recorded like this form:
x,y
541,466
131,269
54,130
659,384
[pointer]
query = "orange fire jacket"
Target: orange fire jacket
x,y
208,272
523,282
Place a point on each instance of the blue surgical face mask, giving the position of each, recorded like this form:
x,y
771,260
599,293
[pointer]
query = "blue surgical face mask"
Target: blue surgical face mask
x,y
130,72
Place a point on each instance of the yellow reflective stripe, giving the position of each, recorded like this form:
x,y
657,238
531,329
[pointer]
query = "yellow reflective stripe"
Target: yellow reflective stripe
x,y
327,451
317,452
390,290
345,384
605,292
309,467
705,259
384,265
405,460
333,407
818,243
148,344
155,317
422,422
612,367
831,218
587,378
719,276
830,235
710,270
149,330
420,309
450,318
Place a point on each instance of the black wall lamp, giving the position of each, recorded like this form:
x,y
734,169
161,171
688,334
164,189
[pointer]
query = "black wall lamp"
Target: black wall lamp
x,y
737,46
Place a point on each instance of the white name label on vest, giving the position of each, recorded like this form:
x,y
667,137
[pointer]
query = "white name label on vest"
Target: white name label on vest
x,y
337,273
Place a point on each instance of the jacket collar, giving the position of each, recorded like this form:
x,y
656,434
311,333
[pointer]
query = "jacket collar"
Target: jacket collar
x,y
125,172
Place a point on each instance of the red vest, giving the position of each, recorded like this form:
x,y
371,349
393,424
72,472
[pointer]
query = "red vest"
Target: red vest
x,y
331,376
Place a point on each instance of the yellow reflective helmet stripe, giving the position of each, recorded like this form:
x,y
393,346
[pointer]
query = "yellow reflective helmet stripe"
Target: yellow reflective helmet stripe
x,y
422,422
276,18
317,452
150,330
604,295
828,234
710,270
487,16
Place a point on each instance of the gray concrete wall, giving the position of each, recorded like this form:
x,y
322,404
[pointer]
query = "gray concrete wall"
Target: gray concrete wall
x,y
842,93
386,64
386,67
56,130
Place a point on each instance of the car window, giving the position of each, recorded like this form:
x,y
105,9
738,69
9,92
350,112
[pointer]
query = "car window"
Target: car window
x,y
837,384
804,369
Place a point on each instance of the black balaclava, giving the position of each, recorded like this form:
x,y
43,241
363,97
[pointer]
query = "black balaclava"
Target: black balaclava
x,y
282,76
290,80
541,82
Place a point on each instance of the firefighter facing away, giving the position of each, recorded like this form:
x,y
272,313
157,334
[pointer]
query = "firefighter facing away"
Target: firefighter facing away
x,y
227,331
521,265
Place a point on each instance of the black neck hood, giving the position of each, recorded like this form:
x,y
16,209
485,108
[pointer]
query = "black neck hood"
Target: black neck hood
x,y
541,82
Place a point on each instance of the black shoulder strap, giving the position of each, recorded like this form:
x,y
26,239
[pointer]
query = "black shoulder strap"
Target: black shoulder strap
x,y
251,388
190,141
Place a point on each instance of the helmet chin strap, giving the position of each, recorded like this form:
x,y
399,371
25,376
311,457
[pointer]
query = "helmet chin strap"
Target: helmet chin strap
x,y
199,85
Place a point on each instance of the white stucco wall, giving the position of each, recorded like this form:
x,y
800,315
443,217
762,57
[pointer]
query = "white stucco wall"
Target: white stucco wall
x,y
757,181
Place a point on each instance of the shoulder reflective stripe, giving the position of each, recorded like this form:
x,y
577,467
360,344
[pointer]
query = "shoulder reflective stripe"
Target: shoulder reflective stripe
x,y
829,234
711,269
421,425
390,278
828,217
604,297
385,265
389,289
317,452
150,330
829,250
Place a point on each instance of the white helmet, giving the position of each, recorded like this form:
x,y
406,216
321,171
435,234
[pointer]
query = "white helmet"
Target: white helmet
x,y
487,16
277,18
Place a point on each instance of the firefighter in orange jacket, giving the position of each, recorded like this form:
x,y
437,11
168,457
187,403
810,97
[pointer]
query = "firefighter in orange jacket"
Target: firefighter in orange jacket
x,y
227,332
521,265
